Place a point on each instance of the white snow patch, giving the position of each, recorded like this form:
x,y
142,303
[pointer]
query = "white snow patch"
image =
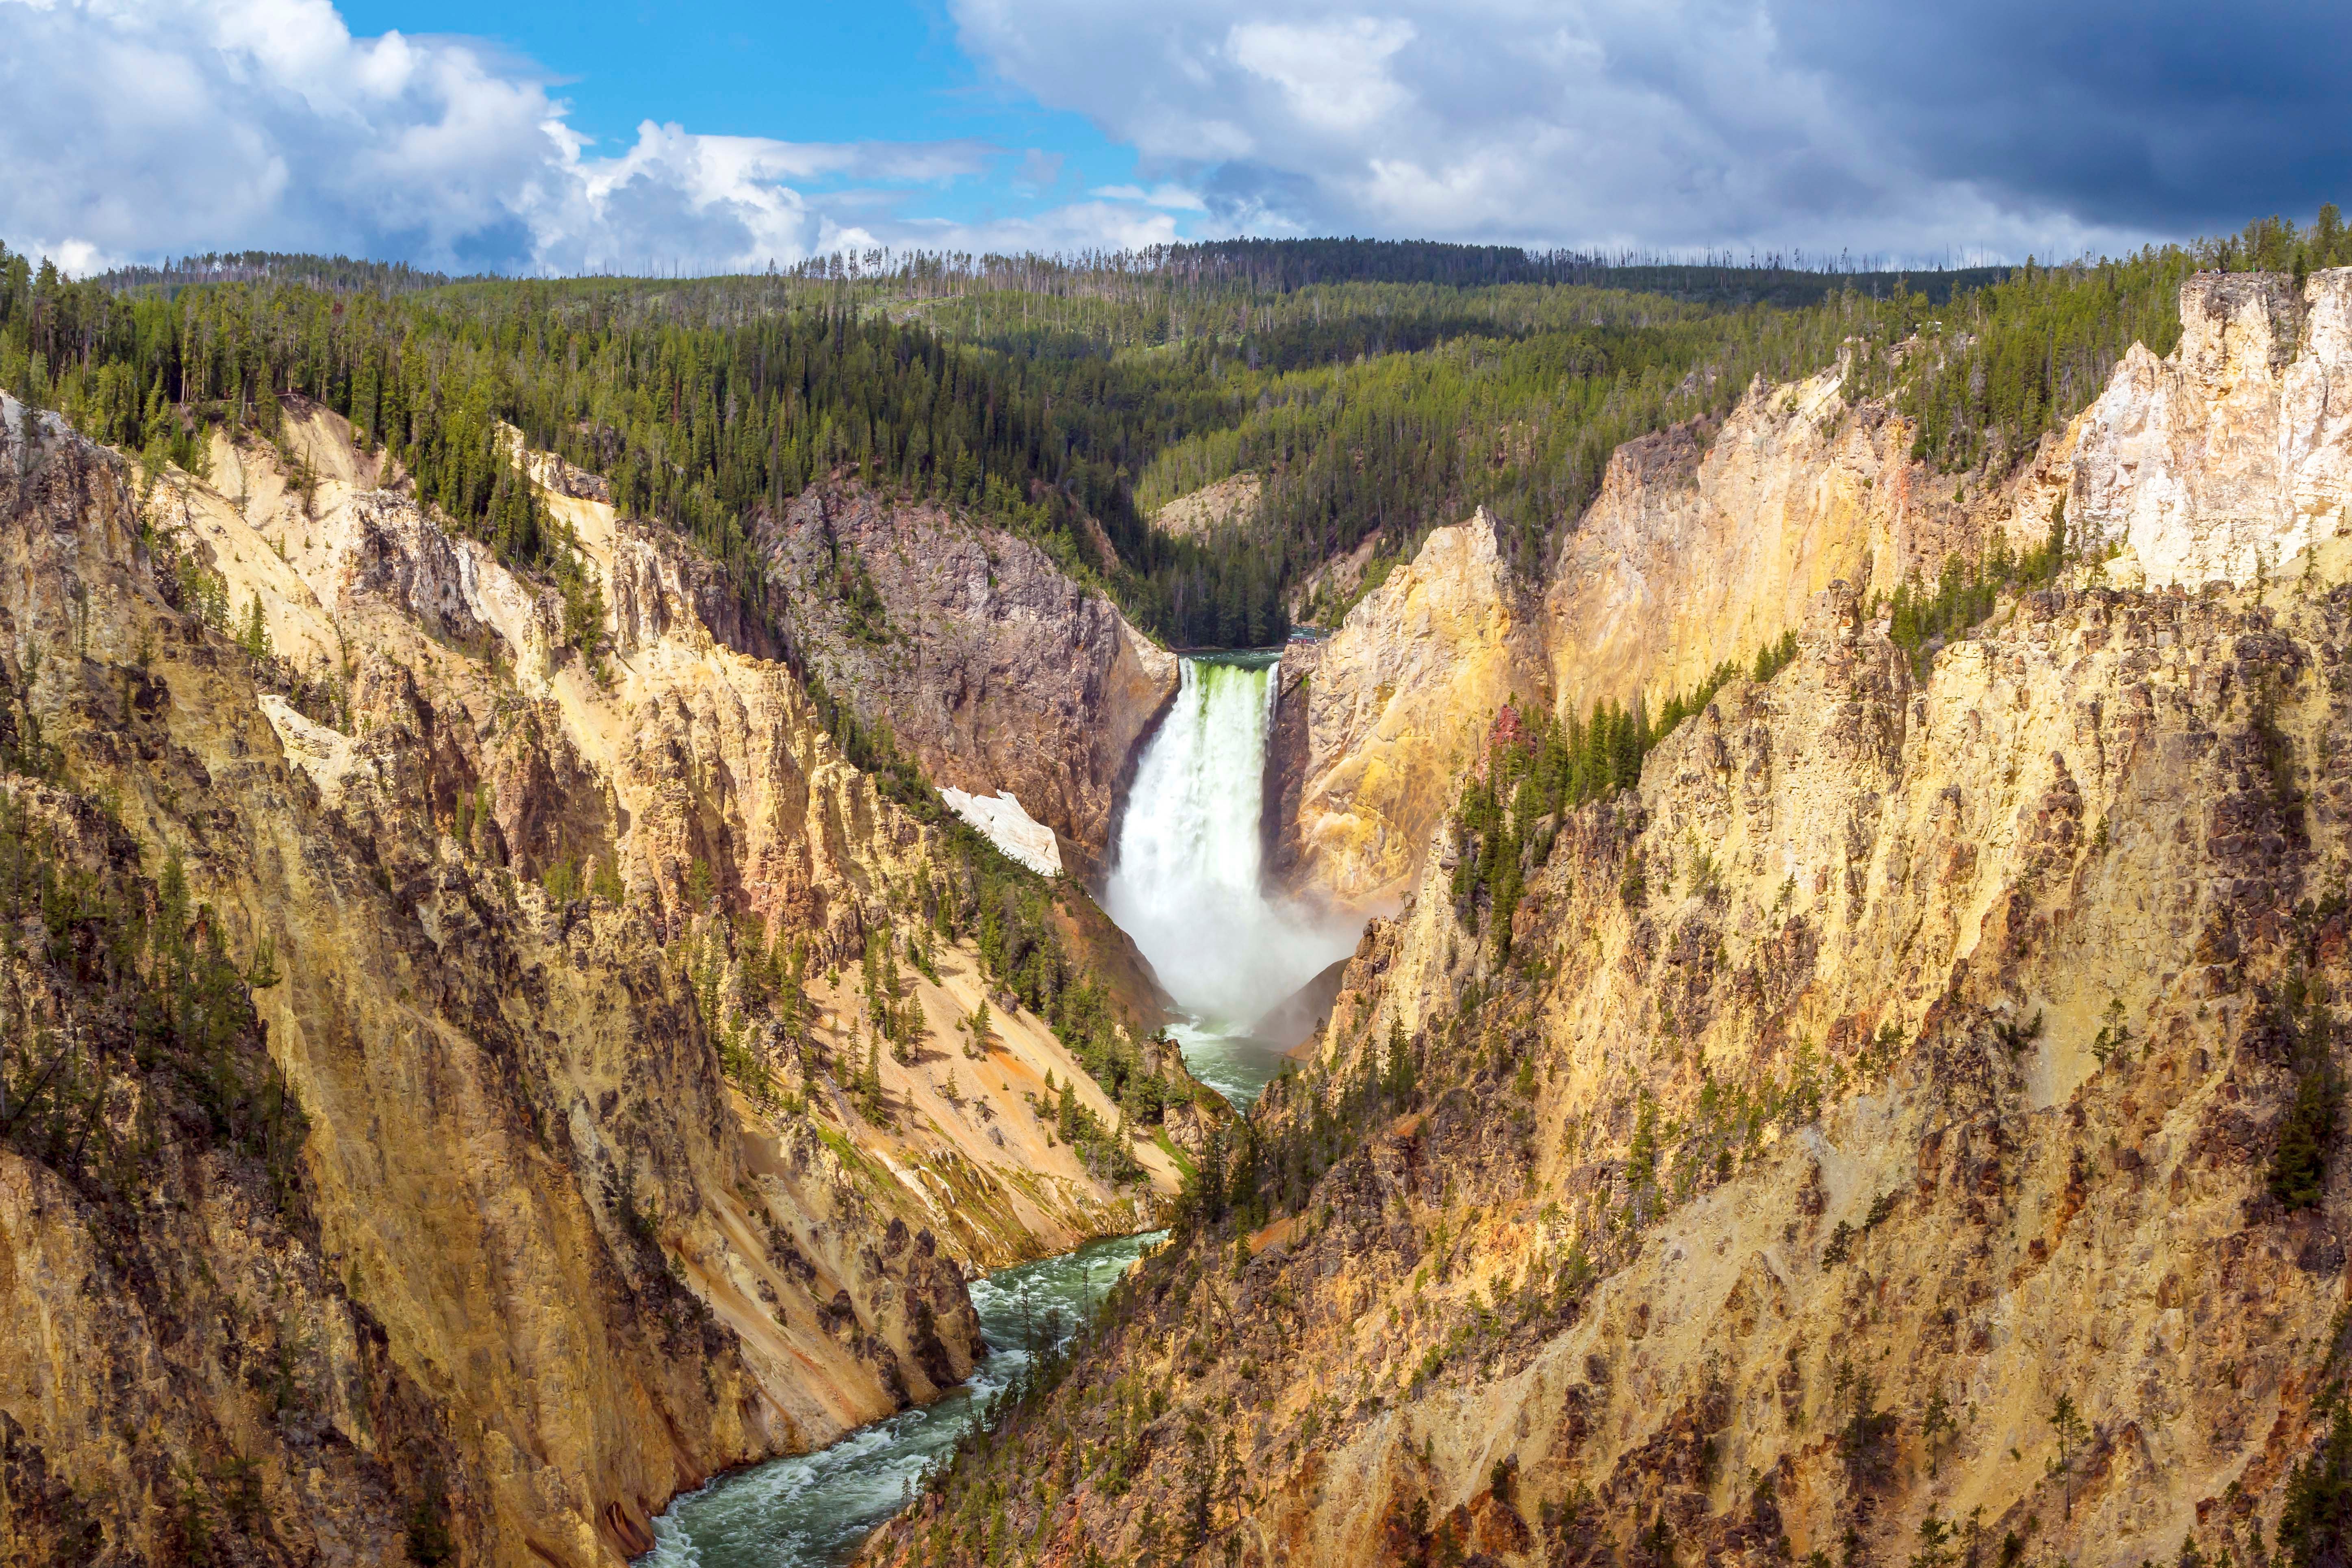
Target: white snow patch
x,y
1009,827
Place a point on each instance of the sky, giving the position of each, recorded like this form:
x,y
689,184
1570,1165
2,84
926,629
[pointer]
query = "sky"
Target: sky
x,y
512,136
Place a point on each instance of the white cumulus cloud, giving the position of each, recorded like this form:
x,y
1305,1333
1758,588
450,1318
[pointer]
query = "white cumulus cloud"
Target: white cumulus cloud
x,y
139,128
1334,73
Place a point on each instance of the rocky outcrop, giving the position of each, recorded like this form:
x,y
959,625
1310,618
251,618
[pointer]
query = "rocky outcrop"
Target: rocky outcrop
x,y
1211,507
484,1206
1375,732
1900,1057
2228,458
1001,819
991,666
1703,544
2220,463
1706,544
1289,752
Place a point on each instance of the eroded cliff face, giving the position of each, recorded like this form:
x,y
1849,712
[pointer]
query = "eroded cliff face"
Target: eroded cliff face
x,y
2218,463
1919,1045
1705,545
1366,742
693,749
1899,1046
515,1261
991,667
2228,458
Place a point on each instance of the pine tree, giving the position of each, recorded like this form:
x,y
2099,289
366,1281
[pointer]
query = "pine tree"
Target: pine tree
x,y
2315,1529
253,631
1397,1075
1936,1426
870,1081
2066,1424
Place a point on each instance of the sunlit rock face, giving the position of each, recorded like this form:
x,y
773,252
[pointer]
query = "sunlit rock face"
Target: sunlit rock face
x,y
1008,826
1915,1047
1388,717
1908,1050
451,1230
2230,457
2220,463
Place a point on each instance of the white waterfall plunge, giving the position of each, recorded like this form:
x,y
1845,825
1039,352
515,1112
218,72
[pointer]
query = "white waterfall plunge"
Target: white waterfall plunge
x,y
1186,888
1186,885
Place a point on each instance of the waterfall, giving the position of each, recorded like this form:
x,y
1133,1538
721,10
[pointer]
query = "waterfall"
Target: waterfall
x,y
1186,887
1186,882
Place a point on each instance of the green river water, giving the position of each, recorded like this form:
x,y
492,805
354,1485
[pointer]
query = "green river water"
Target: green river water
x,y
812,1510
1187,889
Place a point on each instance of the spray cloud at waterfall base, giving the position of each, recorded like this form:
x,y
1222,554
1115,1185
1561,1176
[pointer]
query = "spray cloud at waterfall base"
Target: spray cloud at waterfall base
x,y
1187,882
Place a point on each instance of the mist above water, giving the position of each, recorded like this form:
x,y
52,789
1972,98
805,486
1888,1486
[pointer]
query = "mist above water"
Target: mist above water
x,y
1186,881
1186,887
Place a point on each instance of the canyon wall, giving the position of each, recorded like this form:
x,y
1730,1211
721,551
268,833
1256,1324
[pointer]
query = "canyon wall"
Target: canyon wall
x,y
1901,1057
1904,1127
398,1170
991,666
1367,742
2230,457
1704,544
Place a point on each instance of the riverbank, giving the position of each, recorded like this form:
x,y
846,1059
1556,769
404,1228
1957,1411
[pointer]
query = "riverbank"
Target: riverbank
x,y
811,1511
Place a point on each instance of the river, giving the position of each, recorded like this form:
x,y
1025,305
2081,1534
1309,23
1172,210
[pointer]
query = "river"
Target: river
x,y
1186,886
812,1510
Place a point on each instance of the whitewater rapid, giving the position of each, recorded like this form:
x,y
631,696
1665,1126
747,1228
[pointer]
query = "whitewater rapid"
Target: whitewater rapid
x,y
1187,882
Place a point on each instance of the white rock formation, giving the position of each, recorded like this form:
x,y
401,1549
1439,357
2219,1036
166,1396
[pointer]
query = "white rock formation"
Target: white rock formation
x,y
2231,456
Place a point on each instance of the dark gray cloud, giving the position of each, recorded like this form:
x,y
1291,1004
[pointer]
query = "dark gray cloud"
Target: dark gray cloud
x,y
1878,124
2160,116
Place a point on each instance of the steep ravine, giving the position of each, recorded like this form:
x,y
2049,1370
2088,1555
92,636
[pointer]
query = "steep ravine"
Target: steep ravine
x,y
1186,883
510,1260
1872,1145
1937,1064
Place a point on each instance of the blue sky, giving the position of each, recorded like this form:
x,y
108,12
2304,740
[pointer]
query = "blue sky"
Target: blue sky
x,y
539,138
862,72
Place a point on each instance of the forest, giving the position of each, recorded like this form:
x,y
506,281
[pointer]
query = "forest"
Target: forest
x,y
1379,389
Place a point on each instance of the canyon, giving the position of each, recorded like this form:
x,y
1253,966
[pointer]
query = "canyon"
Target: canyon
x,y
1882,1132
553,1212
498,1048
